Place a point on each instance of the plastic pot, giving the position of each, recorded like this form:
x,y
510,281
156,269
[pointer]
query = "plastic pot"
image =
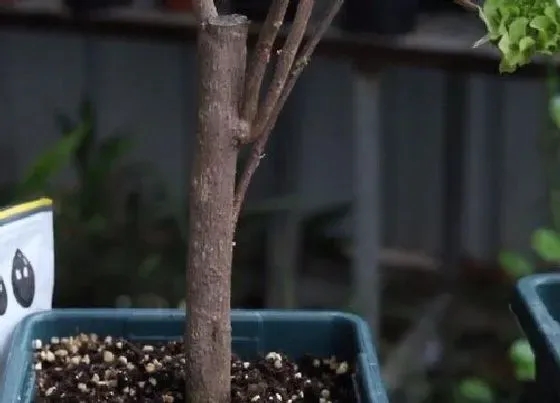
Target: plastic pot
x,y
254,333
256,10
183,6
389,17
82,6
536,304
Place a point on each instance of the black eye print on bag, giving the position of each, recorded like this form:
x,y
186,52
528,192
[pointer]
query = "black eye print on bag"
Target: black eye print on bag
x,y
23,280
3,297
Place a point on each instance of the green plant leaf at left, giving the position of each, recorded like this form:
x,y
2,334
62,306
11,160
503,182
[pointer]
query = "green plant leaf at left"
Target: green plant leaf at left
x,y
52,162
554,110
109,153
515,264
523,360
546,243
475,390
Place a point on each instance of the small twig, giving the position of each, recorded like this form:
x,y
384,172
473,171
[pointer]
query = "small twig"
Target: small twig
x,y
260,58
467,4
257,151
297,68
286,58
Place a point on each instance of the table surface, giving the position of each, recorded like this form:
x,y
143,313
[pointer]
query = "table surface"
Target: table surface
x,y
443,40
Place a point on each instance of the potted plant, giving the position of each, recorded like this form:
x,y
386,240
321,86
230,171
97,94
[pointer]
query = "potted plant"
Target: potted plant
x,y
535,305
142,352
333,356
521,31
83,6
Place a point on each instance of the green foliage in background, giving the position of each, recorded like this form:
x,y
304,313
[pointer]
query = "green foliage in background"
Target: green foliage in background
x,y
545,241
521,29
119,237
524,361
117,240
474,390
545,245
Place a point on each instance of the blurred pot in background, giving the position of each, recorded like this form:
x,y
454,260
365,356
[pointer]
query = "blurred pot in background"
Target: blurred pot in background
x,y
178,5
80,6
389,17
256,10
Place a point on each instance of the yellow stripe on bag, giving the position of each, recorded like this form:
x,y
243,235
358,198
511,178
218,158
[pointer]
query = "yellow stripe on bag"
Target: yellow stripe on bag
x,y
24,208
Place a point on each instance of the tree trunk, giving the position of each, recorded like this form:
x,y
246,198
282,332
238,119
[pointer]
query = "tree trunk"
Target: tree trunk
x,y
222,49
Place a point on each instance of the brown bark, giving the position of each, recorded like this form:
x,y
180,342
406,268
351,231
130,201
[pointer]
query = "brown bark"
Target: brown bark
x,y
222,51
229,116
277,95
261,57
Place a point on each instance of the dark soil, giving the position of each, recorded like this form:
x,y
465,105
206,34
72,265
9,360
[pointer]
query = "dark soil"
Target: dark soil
x,y
90,369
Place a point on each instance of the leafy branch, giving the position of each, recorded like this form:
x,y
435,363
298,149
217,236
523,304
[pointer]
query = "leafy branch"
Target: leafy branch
x,y
521,29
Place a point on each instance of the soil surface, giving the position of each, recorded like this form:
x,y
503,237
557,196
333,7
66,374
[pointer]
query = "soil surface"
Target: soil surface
x,y
90,369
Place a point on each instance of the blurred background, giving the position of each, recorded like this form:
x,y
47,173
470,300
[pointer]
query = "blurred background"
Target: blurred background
x,y
405,181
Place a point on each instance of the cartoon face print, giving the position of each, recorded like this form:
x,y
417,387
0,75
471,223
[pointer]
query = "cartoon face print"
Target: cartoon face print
x,y
23,280
3,297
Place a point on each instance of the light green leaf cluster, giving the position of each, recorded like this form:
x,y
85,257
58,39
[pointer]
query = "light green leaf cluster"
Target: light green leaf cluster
x,y
474,390
545,242
523,359
522,29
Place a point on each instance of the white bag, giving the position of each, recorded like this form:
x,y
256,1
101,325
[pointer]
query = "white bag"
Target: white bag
x,y
26,264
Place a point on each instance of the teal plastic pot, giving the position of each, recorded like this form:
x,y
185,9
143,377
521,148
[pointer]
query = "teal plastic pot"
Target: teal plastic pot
x,y
254,333
536,304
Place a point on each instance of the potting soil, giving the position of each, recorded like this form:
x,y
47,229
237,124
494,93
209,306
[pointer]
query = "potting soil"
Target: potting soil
x,y
88,368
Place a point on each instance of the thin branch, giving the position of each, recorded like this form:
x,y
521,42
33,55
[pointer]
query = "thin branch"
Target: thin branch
x,y
262,137
286,58
259,60
321,30
204,10
467,4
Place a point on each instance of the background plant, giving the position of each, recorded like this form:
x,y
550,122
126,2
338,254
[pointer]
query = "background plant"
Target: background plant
x,y
545,246
117,237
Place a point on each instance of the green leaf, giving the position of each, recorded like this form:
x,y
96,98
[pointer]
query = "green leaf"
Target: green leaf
x,y
518,29
113,149
103,162
541,23
546,243
515,264
523,360
504,44
48,165
521,29
476,390
554,110
526,44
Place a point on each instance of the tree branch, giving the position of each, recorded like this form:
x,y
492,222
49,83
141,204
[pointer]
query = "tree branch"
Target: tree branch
x,y
260,58
467,4
204,10
222,48
262,135
286,58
